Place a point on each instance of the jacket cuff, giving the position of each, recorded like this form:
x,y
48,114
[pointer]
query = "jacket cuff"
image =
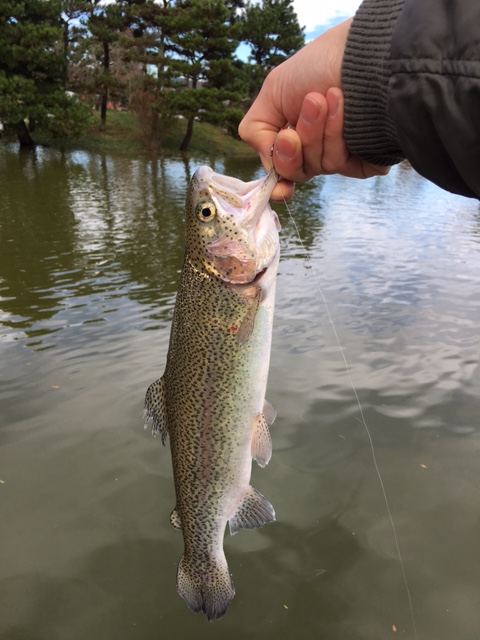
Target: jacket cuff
x,y
369,131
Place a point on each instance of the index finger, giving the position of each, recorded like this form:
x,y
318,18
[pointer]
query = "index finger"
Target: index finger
x,y
262,122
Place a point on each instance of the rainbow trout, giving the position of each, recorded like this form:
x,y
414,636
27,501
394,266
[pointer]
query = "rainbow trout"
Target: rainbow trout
x,y
211,398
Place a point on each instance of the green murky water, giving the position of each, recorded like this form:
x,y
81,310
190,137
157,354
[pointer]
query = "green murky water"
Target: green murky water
x,y
90,248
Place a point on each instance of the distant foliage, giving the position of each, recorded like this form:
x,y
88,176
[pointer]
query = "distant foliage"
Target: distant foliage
x,y
159,58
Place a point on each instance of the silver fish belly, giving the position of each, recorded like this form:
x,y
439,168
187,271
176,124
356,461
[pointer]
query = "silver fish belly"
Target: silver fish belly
x,y
210,401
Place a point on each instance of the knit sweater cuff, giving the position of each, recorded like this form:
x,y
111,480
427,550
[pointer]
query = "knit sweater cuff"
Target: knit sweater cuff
x,y
369,131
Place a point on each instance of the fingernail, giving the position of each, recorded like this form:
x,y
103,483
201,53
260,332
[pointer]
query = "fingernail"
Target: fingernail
x,y
285,150
333,102
310,112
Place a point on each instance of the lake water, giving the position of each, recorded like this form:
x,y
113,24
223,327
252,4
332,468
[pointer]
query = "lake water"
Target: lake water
x,y
90,249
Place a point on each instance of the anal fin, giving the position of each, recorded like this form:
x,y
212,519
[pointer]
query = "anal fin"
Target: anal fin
x,y
175,519
254,511
156,408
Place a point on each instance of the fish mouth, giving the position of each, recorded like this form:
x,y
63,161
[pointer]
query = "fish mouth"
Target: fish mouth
x,y
259,276
255,281
239,189
249,283
230,193
243,277
241,283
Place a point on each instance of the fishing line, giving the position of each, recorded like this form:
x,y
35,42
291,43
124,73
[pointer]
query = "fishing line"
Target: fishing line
x,y
362,418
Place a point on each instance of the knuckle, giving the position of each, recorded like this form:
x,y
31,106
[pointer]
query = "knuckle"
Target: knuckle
x,y
331,166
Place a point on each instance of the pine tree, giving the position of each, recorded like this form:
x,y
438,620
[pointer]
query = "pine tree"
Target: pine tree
x,y
105,24
273,32
202,39
33,70
146,50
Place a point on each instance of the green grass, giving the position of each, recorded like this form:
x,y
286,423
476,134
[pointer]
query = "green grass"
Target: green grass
x,y
123,133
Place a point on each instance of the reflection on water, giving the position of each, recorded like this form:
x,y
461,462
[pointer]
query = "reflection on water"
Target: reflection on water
x,y
90,248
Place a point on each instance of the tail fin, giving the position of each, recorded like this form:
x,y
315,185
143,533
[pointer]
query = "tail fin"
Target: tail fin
x,y
210,590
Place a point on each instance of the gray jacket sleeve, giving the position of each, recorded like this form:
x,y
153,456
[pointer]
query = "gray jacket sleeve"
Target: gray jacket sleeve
x,y
411,78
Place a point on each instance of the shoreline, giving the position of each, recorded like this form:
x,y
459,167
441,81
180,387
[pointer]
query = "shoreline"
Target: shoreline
x,y
124,134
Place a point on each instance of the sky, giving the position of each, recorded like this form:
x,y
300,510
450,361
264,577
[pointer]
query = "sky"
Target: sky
x,y
315,15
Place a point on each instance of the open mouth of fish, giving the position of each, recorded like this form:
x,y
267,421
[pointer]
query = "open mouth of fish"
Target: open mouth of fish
x,y
235,272
254,281
259,276
238,192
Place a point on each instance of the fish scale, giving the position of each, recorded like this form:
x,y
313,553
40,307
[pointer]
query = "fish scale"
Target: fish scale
x,y
210,401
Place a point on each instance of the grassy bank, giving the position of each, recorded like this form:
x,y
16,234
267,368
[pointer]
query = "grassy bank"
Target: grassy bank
x,y
124,133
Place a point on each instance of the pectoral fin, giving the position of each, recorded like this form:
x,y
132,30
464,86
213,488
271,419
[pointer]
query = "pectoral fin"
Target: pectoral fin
x,y
246,328
254,296
156,408
261,441
269,412
254,511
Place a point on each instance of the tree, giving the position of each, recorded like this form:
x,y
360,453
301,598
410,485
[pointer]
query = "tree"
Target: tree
x,y
274,34
146,51
72,11
105,24
32,71
202,39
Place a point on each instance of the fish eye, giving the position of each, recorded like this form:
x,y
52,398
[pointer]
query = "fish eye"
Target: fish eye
x,y
206,211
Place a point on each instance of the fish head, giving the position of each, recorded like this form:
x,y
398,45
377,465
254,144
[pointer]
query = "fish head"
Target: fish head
x,y
231,230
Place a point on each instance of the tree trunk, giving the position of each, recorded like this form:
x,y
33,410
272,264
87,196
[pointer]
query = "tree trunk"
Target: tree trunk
x,y
106,72
23,135
188,135
103,109
154,118
66,43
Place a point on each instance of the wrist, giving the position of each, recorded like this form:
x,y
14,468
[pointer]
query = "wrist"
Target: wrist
x,y
330,49
369,130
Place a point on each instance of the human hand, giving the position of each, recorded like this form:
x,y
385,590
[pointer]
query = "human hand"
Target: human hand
x,y
302,92
300,154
